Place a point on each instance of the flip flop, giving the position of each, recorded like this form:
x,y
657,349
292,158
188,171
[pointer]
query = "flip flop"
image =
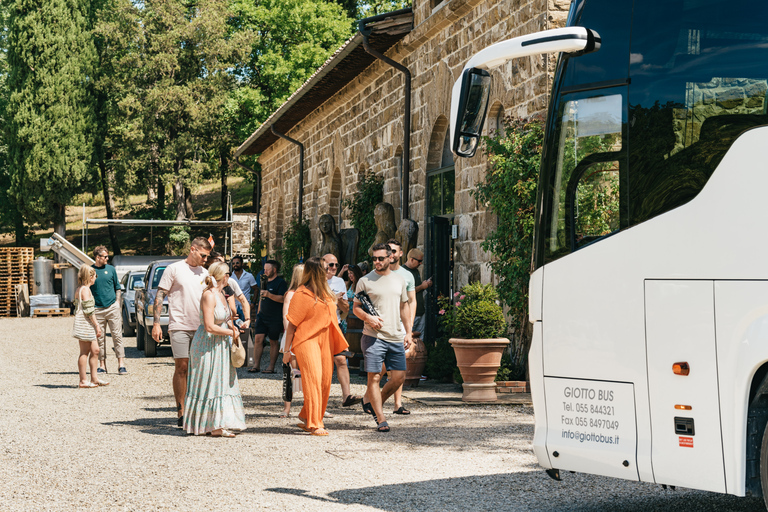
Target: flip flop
x,y
224,433
319,432
88,386
101,383
304,427
368,408
382,427
253,370
402,410
351,400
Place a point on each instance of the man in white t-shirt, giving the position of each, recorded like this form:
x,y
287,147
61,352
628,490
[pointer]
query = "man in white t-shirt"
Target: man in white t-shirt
x,y
410,287
183,282
342,310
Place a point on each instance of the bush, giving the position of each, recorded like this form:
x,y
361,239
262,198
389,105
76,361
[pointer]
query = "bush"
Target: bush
x,y
441,361
178,241
297,243
480,319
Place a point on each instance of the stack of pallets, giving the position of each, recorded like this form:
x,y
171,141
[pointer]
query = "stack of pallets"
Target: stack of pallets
x,y
15,265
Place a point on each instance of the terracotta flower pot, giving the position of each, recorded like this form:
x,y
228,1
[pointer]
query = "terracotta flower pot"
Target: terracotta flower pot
x,y
479,360
416,360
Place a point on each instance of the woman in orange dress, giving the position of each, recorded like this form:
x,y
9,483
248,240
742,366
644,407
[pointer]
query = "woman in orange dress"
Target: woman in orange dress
x,y
313,335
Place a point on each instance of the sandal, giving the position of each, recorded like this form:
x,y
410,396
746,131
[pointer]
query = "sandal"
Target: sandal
x,y
402,410
88,385
253,370
382,427
319,432
304,427
101,383
224,433
351,400
268,371
368,408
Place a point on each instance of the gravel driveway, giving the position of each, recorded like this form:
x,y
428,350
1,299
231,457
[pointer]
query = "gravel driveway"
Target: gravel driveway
x,y
116,448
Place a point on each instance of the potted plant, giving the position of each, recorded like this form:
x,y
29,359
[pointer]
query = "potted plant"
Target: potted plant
x,y
476,322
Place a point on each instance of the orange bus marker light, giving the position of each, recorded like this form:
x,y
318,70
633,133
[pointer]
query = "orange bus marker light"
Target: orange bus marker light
x,y
683,407
681,369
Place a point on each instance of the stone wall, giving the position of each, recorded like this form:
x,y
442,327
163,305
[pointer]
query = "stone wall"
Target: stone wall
x,y
360,128
242,234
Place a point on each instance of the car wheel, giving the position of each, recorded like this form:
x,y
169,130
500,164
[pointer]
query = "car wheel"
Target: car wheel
x,y
127,330
139,336
150,345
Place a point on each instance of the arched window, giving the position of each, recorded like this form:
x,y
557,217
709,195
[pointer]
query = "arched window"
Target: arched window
x,y
441,175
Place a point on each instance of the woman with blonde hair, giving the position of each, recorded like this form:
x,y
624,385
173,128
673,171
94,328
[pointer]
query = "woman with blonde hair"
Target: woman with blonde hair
x,y
298,272
86,329
213,404
313,334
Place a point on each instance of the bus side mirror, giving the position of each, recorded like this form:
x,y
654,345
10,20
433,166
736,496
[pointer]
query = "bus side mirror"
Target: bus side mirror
x,y
473,106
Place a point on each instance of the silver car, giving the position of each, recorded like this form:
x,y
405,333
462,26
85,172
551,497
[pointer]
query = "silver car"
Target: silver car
x,y
128,308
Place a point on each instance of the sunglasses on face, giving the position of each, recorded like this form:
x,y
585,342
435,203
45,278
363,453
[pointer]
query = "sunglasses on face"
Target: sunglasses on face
x,y
417,260
381,258
333,264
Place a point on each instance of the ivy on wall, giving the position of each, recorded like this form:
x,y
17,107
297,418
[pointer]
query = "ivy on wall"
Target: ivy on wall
x,y
297,243
370,192
509,190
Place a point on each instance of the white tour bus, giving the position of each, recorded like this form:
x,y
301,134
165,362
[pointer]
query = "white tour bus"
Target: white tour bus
x,y
649,299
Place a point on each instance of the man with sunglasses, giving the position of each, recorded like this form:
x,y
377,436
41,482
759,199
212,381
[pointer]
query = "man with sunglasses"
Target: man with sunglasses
x,y
415,258
106,293
387,335
183,282
339,288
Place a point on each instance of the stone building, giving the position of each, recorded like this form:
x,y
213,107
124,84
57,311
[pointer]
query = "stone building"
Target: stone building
x,y
349,118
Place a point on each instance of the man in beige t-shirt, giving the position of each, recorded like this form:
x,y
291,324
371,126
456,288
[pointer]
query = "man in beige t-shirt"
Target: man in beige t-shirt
x,y
183,282
387,334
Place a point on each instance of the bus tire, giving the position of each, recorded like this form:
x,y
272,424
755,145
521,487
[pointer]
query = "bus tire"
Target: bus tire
x,y
764,464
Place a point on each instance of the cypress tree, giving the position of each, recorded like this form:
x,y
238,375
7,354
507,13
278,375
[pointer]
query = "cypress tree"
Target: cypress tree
x,y
49,114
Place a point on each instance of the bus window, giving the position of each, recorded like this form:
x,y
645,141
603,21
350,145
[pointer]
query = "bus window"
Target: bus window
x,y
691,95
585,183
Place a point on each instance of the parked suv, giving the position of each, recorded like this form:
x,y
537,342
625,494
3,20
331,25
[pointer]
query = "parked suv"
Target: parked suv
x,y
129,282
144,303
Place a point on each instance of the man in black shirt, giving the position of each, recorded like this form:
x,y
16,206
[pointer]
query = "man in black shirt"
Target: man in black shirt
x,y
415,257
269,320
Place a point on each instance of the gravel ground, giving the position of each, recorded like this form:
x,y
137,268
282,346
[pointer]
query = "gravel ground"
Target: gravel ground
x,y
116,448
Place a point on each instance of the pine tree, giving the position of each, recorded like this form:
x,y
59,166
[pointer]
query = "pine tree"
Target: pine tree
x,y
49,116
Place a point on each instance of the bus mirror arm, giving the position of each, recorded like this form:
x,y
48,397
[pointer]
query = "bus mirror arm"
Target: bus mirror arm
x,y
469,99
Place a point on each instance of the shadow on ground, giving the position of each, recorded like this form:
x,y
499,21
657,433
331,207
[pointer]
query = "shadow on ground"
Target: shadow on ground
x,y
529,491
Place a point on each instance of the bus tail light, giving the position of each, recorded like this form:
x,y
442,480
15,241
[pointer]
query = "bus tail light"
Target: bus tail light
x,y
681,369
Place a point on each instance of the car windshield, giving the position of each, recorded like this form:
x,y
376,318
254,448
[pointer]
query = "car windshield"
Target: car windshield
x,y
133,279
156,278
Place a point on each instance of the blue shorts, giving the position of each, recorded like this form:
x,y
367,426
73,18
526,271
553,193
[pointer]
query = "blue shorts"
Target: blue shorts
x,y
378,352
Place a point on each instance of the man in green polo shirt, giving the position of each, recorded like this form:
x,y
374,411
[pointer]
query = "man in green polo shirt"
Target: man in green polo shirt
x,y
106,292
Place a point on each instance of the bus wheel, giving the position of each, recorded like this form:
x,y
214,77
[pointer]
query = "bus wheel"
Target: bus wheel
x,y
764,465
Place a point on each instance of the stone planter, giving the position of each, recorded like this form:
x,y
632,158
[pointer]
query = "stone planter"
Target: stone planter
x,y
479,360
415,360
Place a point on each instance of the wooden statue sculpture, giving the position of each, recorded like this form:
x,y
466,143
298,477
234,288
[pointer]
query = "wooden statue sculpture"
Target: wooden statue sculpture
x,y
408,236
331,242
384,216
350,239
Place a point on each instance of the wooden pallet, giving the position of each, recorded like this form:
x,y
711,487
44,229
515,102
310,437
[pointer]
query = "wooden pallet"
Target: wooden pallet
x,y
51,312
16,266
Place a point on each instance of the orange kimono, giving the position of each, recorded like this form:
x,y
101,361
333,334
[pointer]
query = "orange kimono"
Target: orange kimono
x,y
317,338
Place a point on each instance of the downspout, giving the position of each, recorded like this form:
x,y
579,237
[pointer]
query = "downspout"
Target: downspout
x,y
365,31
257,184
301,168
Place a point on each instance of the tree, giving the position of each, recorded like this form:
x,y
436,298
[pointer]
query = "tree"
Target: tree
x,y
49,115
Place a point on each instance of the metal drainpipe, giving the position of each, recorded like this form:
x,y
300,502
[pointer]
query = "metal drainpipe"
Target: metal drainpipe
x,y
257,177
301,168
365,31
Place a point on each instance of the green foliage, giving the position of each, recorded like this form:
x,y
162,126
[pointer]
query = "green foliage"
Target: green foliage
x,y
369,8
297,244
511,370
509,190
49,117
292,38
370,192
441,361
178,241
474,312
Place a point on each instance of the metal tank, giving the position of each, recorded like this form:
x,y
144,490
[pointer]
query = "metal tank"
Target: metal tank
x,y
68,284
43,270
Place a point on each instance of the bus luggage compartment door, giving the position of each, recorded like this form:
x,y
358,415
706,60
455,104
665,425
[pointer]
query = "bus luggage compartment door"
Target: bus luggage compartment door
x,y
686,442
591,426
